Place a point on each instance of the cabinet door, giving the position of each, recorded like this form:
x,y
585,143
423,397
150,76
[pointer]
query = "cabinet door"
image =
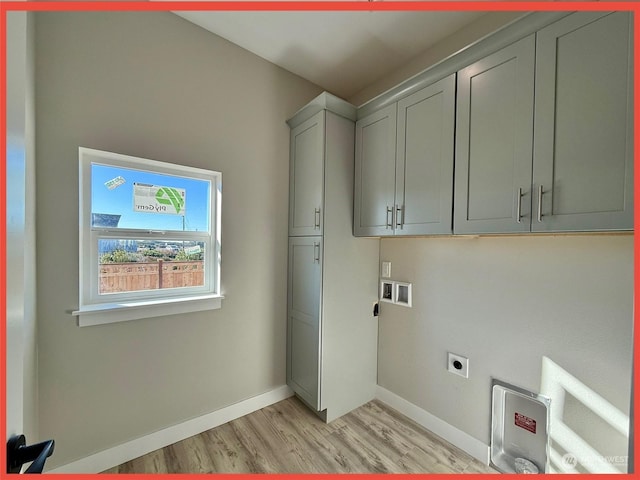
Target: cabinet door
x,y
306,177
375,173
303,326
424,160
494,136
583,155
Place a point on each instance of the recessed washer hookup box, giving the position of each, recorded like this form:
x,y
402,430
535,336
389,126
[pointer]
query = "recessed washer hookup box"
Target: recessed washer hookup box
x,y
519,427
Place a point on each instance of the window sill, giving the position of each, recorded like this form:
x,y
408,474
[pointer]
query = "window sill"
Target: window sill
x,y
100,314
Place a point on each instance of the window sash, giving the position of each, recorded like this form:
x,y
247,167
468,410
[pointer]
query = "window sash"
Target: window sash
x,y
90,236
93,269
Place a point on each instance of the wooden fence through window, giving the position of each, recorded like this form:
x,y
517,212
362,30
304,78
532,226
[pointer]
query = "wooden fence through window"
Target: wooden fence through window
x,y
134,276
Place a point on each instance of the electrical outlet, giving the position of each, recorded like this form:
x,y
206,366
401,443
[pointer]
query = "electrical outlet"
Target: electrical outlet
x,y
458,364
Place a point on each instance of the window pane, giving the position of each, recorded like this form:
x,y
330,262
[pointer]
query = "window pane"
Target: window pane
x,y
129,198
135,265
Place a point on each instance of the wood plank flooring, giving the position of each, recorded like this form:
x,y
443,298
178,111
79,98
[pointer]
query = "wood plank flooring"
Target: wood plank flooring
x,y
288,438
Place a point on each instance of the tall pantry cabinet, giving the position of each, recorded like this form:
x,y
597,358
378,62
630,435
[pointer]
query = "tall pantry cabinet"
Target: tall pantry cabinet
x,y
332,276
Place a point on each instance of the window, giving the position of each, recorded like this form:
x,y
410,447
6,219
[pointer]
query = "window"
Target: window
x,y
149,238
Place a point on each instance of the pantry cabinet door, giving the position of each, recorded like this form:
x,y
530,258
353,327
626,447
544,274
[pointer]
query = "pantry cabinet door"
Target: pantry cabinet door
x,y
374,188
494,136
304,317
306,177
583,150
424,160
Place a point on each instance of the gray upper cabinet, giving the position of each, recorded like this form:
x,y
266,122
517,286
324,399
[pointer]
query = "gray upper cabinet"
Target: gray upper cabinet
x,y
375,173
494,142
404,165
424,160
564,161
583,144
306,177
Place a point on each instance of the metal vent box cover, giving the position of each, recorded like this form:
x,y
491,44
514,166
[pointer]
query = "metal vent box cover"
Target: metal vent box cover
x,y
519,427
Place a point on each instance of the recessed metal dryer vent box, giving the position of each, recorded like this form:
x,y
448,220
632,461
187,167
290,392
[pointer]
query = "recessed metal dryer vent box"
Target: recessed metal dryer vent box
x,y
519,429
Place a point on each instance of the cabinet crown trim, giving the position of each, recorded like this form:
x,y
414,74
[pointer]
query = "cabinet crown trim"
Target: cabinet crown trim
x,y
324,101
506,35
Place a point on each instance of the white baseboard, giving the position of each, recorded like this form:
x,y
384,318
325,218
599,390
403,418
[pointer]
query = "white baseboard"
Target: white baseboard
x,y
124,452
451,434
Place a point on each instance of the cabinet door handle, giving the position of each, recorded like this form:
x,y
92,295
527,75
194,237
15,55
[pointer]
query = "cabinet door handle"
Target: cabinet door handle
x,y
519,206
399,210
540,192
316,225
316,252
389,222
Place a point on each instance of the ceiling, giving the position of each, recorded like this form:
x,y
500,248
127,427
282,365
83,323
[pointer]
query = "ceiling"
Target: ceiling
x,y
342,52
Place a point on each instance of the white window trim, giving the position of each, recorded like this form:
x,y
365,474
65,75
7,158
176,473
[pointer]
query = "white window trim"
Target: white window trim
x,y
94,309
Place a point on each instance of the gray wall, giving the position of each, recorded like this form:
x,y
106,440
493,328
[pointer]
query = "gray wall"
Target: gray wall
x,y
155,86
504,303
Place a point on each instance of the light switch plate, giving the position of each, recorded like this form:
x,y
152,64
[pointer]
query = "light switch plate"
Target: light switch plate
x,y
386,270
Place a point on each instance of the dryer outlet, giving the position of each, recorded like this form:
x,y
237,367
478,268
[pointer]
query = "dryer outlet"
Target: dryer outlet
x,y
458,364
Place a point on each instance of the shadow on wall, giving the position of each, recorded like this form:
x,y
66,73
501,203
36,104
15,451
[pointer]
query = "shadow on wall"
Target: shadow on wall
x,y
587,434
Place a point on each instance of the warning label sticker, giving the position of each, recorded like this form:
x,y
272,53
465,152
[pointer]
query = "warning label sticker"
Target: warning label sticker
x,y
525,422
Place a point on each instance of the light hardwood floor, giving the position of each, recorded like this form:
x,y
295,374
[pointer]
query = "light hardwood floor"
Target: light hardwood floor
x,y
288,438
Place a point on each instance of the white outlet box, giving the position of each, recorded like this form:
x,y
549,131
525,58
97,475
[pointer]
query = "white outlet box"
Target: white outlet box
x,y
458,364
387,291
403,294
398,293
